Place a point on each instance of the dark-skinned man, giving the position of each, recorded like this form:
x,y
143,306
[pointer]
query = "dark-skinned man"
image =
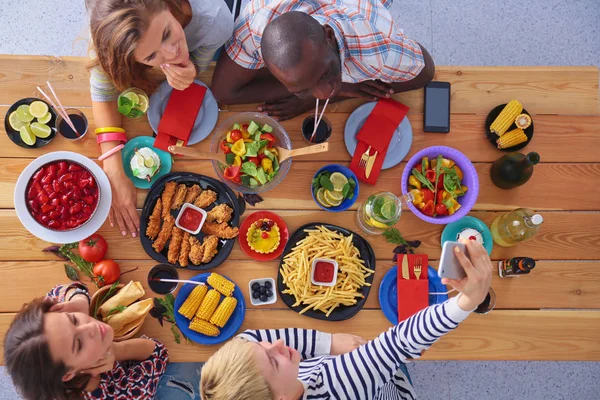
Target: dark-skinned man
x,y
284,53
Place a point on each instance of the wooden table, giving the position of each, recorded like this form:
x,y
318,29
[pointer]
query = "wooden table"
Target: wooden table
x,y
550,315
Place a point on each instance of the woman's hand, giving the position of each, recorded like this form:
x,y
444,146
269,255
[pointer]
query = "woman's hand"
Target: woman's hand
x,y
180,76
342,343
123,212
478,267
104,364
78,303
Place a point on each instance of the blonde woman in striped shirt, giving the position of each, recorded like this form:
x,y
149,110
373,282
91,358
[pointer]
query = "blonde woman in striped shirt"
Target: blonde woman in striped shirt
x,y
129,39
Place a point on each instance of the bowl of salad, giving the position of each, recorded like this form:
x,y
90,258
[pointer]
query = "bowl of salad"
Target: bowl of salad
x,y
249,141
443,183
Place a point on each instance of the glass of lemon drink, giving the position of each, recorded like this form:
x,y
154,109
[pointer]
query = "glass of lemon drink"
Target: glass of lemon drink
x,y
133,103
381,211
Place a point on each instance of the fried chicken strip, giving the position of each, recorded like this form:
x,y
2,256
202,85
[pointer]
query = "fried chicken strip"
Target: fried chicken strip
x,y
179,197
222,231
165,234
210,248
167,198
184,253
221,213
196,251
192,194
154,221
175,245
206,198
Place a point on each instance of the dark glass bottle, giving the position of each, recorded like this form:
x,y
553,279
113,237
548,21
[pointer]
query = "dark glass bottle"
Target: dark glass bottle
x,y
513,169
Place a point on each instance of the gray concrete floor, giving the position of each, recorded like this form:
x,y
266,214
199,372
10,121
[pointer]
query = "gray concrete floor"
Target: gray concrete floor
x,y
459,32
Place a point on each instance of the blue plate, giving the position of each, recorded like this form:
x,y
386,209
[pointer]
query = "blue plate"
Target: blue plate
x,y
230,329
452,230
347,172
205,120
399,145
166,161
388,292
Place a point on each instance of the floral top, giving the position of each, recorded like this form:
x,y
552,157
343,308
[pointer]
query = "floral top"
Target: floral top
x,y
128,379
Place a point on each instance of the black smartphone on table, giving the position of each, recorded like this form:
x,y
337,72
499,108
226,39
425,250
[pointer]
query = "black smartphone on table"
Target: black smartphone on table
x,y
437,107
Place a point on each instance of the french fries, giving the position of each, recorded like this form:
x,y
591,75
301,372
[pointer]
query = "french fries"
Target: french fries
x,y
352,272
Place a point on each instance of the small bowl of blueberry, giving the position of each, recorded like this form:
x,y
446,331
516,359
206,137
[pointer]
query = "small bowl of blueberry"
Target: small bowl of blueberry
x,y
262,291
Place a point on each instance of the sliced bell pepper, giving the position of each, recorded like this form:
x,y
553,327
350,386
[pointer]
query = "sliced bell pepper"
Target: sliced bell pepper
x,y
425,163
442,195
226,149
248,140
254,160
237,161
430,175
245,133
461,192
228,138
269,137
454,208
267,165
239,148
427,195
233,174
413,181
274,151
417,196
428,209
440,182
459,172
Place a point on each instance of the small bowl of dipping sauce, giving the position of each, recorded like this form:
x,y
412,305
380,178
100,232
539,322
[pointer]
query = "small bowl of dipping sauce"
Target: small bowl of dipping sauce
x,y
190,218
324,272
162,271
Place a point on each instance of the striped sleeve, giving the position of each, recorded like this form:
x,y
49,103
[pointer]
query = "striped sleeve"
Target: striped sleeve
x,y
101,87
361,373
202,56
310,343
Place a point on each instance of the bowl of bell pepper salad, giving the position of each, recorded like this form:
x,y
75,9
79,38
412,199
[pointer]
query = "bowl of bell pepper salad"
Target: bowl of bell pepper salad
x,y
249,141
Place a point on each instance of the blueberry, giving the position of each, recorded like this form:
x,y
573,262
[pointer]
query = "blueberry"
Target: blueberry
x,y
269,293
268,284
262,290
255,295
255,286
263,297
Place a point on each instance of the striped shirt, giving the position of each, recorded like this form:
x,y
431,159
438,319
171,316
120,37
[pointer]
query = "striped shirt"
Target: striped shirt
x,y
373,371
211,25
371,45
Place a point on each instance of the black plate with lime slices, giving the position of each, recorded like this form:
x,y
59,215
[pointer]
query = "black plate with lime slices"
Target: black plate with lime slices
x,y
15,135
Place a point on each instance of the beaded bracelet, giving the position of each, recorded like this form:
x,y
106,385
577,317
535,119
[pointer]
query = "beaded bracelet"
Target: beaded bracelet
x,y
109,129
112,136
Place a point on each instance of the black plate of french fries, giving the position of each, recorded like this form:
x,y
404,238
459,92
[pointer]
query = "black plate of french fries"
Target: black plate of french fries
x,y
166,243
494,138
356,265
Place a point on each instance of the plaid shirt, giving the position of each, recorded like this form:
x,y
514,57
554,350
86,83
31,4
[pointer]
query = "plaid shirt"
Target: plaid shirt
x,y
371,45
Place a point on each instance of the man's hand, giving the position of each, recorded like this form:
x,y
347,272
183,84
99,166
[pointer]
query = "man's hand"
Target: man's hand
x,y
180,76
342,343
123,211
369,90
287,108
478,267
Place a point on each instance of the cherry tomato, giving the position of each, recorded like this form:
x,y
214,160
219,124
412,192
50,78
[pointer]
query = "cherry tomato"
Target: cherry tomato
x,y
269,137
107,271
254,160
440,182
428,209
430,175
236,135
427,195
226,149
440,196
93,248
441,209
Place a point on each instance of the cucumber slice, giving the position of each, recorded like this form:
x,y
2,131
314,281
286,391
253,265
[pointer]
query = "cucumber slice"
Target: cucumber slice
x,y
253,127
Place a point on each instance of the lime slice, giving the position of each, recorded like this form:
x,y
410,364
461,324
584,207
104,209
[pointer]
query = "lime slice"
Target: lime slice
x,y
40,130
334,198
45,119
321,198
15,122
26,136
142,103
38,109
148,162
133,97
388,209
23,113
338,180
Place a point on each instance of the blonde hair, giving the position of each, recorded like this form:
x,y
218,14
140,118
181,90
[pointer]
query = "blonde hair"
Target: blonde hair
x,y
232,373
116,27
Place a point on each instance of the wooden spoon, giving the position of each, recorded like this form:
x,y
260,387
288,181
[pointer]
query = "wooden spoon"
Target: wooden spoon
x,y
195,153
284,154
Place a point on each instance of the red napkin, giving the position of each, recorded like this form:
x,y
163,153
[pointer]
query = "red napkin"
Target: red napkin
x,y
413,294
377,132
179,117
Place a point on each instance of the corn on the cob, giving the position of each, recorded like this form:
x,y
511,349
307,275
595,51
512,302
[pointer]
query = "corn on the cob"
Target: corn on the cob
x,y
221,284
224,311
512,138
208,305
523,121
204,327
506,118
190,305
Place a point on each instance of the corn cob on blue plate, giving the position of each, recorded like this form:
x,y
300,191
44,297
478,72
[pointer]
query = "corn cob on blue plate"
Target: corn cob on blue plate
x,y
230,328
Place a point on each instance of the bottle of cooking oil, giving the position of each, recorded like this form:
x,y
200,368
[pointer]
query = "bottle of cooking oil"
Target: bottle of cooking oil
x,y
516,226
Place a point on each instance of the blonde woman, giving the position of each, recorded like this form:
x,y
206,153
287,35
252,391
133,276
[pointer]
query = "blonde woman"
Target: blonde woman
x,y
129,38
291,364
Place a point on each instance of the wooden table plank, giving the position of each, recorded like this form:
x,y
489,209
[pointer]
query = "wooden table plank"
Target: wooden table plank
x,y
553,284
501,335
572,236
543,90
547,178
553,134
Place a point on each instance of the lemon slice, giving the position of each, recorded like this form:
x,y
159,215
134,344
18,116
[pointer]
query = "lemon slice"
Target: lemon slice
x,y
38,109
40,130
135,99
142,103
338,180
321,198
334,198
23,113
45,119
15,122
148,162
376,224
26,136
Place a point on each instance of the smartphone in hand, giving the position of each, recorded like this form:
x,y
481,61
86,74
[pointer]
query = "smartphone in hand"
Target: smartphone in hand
x,y
450,267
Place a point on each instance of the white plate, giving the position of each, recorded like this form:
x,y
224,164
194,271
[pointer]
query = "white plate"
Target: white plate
x,y
74,235
205,120
399,145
